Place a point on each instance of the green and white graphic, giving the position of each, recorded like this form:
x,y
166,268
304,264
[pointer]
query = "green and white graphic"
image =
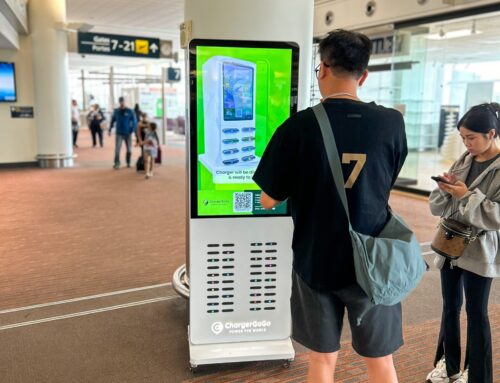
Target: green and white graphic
x,y
243,95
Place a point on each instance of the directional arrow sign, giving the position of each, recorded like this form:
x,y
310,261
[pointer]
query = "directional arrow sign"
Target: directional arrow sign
x,y
118,45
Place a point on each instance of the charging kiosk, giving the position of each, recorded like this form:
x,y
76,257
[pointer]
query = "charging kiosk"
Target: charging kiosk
x,y
239,254
229,102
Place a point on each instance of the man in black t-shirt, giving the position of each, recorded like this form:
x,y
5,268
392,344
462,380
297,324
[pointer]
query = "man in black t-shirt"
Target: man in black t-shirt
x,y
371,142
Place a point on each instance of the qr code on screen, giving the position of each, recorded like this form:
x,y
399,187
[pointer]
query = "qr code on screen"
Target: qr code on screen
x,y
242,202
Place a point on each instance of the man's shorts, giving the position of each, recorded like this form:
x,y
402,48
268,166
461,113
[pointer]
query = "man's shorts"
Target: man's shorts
x,y
317,319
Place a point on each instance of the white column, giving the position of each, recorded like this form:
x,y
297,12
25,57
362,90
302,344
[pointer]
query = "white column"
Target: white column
x,y
51,83
276,20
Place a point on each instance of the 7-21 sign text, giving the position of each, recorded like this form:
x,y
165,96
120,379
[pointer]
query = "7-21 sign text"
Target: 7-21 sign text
x,y
118,45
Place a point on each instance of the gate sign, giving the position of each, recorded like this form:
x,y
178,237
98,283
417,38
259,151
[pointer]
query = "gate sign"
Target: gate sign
x,y
118,45
173,74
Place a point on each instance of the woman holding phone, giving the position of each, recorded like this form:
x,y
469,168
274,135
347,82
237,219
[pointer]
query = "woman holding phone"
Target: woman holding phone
x,y
470,194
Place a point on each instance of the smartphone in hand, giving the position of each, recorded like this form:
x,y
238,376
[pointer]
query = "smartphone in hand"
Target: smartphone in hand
x,y
440,179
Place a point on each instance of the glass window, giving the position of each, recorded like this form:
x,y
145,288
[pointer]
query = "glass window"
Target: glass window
x,y
436,72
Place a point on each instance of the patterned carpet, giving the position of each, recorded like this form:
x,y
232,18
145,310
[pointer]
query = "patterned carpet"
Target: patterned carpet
x,y
413,361
91,229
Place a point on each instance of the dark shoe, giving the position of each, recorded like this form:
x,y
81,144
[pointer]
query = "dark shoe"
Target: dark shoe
x,y
128,165
116,167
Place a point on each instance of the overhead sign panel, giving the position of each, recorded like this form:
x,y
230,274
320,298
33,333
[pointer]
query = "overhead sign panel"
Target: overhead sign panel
x,y
118,45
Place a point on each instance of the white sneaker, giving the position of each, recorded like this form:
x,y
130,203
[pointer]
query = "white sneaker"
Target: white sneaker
x,y
439,374
463,378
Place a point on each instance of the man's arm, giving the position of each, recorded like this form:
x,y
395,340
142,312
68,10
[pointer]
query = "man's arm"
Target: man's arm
x,y
267,202
401,153
134,122
113,120
274,173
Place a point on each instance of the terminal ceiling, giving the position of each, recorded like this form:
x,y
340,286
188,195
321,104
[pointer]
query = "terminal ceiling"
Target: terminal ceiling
x,y
161,18
152,18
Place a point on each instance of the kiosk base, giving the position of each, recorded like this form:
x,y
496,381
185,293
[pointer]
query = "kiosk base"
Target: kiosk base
x,y
240,352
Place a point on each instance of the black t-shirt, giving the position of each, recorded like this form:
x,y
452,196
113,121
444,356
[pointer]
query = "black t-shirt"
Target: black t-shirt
x,y
295,167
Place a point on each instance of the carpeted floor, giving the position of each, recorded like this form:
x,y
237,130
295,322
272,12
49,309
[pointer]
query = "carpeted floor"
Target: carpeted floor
x,y
90,230
412,361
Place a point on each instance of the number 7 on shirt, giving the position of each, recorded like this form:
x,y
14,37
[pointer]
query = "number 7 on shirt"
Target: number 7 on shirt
x,y
360,160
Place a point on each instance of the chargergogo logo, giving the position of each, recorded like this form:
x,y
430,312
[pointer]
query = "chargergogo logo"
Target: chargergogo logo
x,y
217,328
241,327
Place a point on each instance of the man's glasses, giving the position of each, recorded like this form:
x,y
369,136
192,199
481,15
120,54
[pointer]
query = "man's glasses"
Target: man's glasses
x,y
317,69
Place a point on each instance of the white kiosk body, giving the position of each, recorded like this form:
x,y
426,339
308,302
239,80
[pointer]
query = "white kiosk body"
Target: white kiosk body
x,y
239,260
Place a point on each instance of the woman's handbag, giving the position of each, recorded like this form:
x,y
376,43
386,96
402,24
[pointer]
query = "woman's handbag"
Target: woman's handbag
x,y
452,238
388,267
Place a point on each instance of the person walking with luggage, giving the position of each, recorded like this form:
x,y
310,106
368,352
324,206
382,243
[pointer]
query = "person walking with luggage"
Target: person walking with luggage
x,y
96,118
138,116
470,194
150,144
142,128
126,123
371,142
75,121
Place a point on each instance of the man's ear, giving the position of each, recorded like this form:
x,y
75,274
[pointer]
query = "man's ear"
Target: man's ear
x,y
492,134
363,77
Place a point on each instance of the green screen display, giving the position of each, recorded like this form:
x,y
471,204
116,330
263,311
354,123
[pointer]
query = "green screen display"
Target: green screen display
x,y
243,93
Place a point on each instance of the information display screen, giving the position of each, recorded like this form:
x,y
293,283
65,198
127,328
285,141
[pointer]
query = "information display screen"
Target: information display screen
x,y
7,82
241,92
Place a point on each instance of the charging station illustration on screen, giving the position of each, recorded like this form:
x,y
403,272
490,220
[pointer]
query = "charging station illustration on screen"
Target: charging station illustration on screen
x,y
229,97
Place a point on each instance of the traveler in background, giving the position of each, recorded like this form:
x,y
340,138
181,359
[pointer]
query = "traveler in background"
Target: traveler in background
x,y
138,116
372,142
150,145
472,197
75,121
142,127
126,123
96,118
138,112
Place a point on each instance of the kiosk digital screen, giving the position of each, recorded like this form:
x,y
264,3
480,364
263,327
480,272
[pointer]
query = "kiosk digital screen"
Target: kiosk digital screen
x,y
7,82
241,92
238,92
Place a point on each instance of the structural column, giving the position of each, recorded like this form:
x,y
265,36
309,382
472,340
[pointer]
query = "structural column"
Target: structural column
x,y
276,20
257,20
51,83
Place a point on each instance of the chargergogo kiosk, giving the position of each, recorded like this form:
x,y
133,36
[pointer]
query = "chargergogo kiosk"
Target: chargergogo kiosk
x,y
239,256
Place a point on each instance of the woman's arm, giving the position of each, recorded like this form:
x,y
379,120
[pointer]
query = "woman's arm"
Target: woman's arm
x,y
480,211
438,201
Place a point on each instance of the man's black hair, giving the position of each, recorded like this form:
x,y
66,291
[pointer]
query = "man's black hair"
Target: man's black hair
x,y
346,52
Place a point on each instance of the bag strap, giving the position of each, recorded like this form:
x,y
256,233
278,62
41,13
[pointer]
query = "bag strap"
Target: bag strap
x,y
332,154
